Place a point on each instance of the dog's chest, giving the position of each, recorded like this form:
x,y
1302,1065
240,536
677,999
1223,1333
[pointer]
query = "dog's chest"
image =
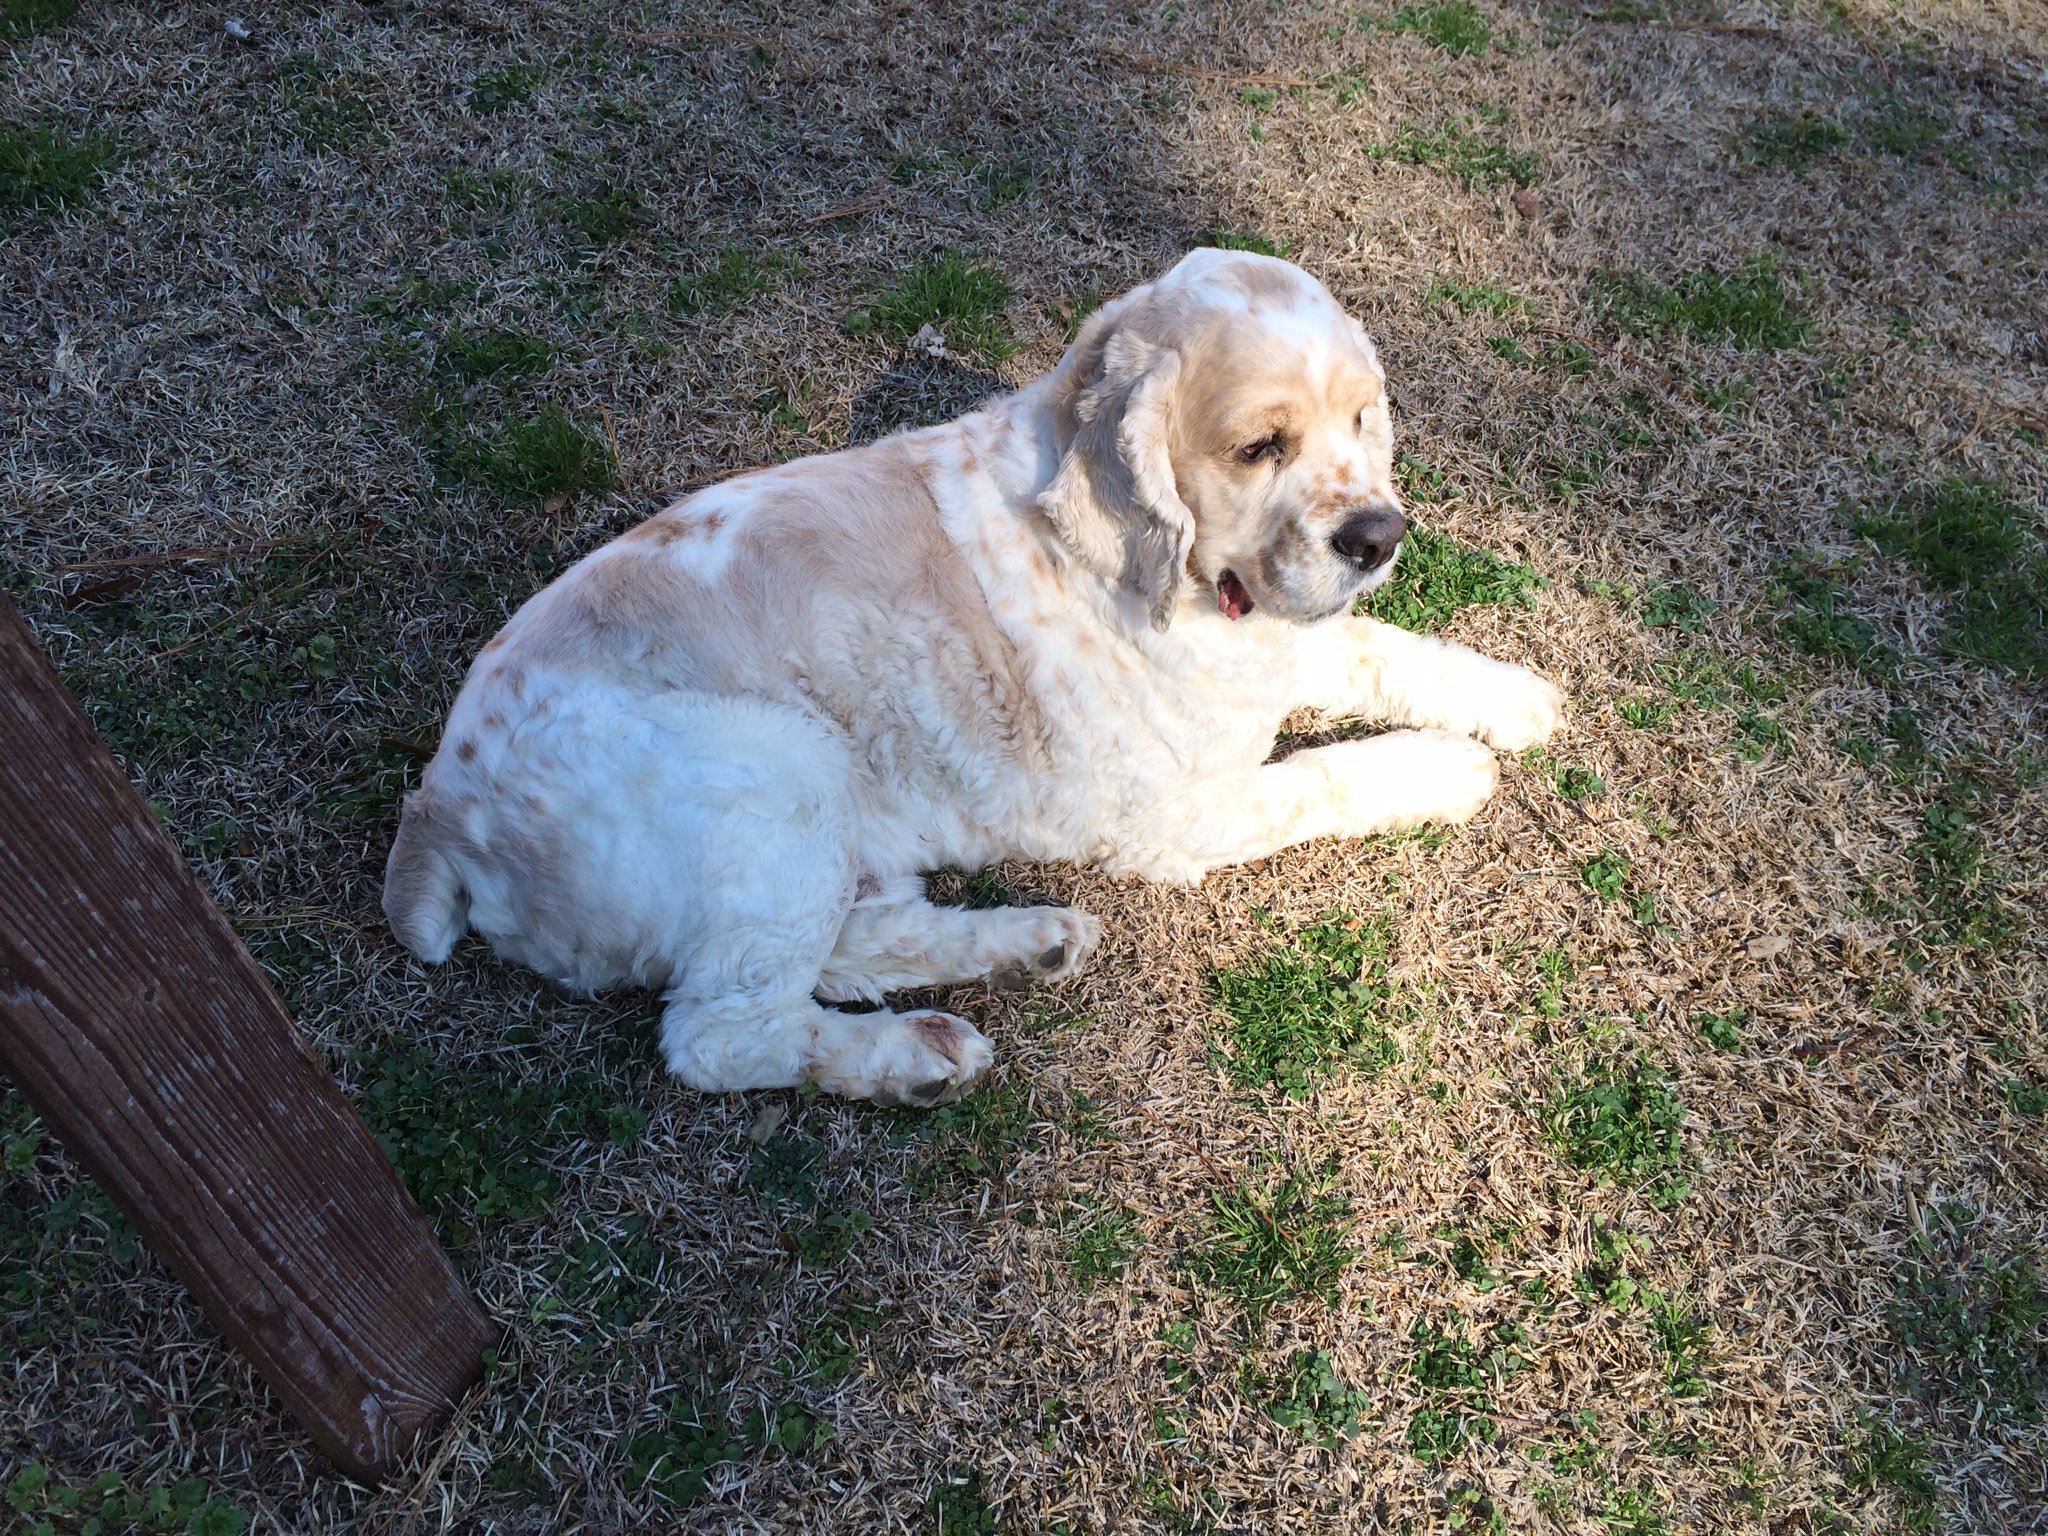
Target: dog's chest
x,y
1139,716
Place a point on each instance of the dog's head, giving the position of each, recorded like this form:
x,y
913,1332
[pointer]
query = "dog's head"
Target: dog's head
x,y
1228,425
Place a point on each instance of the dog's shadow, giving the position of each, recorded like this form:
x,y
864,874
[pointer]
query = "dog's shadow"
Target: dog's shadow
x,y
919,391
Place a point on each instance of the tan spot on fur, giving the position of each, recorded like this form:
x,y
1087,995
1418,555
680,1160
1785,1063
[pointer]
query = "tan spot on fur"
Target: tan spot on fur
x,y
1265,284
494,642
659,531
494,722
465,752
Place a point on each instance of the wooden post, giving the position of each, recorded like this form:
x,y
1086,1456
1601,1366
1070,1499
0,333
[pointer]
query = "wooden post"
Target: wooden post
x,y
151,1043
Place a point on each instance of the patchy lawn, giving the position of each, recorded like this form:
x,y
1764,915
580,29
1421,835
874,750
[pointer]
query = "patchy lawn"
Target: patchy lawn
x,y
1661,1153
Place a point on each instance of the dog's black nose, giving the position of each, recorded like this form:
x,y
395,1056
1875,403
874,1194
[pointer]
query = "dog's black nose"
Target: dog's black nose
x,y
1369,540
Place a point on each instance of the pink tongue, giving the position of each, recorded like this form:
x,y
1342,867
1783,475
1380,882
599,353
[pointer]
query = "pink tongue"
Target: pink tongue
x,y
1232,598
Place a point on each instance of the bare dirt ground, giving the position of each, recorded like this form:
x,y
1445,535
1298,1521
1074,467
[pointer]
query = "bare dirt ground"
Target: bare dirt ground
x,y
1680,1167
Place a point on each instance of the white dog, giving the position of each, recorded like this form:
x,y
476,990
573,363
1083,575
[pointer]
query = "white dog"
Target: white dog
x,y
716,756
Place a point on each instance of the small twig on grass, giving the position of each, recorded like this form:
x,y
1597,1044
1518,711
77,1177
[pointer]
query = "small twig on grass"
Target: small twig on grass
x,y
1147,64
1718,28
611,437
2032,420
874,200
1671,379
1814,1049
1223,1180
174,556
663,35
1543,826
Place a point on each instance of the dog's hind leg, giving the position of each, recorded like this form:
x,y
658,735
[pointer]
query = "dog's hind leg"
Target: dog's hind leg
x,y
754,935
748,1041
741,1013
896,939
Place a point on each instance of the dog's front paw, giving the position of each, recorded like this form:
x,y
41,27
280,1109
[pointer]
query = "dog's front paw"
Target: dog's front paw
x,y
1517,709
1427,775
1462,776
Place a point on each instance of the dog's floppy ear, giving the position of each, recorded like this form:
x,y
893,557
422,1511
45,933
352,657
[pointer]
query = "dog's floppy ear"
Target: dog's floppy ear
x,y
1113,501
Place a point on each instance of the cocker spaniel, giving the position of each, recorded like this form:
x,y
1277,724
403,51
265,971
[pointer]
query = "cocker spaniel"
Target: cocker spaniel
x,y
717,755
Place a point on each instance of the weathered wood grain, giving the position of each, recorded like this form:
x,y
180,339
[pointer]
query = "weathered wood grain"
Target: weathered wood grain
x,y
152,1045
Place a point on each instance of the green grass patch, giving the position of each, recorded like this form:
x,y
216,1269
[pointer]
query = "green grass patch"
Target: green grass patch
x,y
1456,26
957,1506
1101,1244
2025,1099
1702,679
1605,874
832,1348
1723,1031
473,1146
1436,576
1621,1122
1681,1338
1309,1397
25,18
1300,1009
326,108
975,1139
1554,975
1676,605
784,1171
43,168
1566,357
1955,877
1458,1378
1242,240
1572,781
605,1278
961,299
1904,129
105,1503
1577,783
1750,308
1973,1323
1883,1458
500,90
1456,150
473,356
1475,298
1644,714
676,1456
58,1245
1973,541
1272,1242
718,286
607,215
1820,623
482,191
519,457
1793,141
1634,1512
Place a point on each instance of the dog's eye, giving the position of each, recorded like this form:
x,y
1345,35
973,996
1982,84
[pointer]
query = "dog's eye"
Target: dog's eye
x,y
1264,448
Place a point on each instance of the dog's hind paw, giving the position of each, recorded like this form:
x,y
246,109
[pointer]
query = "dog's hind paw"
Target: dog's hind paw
x,y
1052,944
917,1059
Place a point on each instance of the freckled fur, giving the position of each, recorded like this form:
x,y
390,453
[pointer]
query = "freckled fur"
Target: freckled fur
x,y
715,756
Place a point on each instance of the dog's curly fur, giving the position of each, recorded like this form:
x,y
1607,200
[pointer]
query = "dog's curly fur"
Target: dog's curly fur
x,y
717,755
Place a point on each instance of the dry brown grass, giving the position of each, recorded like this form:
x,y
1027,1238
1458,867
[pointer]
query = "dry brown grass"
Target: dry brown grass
x,y
217,349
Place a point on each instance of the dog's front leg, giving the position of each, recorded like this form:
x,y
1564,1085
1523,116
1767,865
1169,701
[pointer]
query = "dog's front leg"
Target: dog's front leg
x,y
1350,789
1359,666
